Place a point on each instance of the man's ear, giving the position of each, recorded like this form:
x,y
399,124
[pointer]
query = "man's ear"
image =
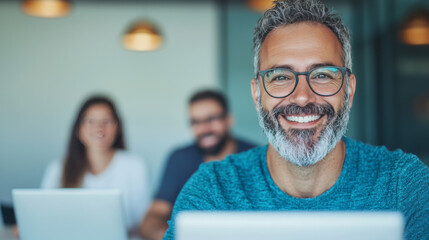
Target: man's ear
x,y
352,88
254,89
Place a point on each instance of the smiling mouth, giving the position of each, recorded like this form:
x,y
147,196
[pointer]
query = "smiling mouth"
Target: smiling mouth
x,y
208,140
302,118
99,135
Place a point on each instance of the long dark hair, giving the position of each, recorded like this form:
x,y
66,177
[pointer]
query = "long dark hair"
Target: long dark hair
x,y
76,161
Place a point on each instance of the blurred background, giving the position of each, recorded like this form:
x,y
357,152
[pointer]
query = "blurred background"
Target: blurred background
x,y
48,66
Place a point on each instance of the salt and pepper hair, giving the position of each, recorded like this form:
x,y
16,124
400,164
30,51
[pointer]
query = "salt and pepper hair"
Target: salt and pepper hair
x,y
289,12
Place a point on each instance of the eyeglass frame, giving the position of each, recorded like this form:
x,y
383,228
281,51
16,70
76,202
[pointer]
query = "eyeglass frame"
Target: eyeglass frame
x,y
344,71
209,119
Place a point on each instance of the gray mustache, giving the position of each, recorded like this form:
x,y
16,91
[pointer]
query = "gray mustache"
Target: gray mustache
x,y
311,108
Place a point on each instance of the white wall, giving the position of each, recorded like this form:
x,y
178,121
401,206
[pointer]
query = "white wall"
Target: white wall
x,y
48,66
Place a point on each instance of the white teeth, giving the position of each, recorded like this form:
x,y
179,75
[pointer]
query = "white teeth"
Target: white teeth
x,y
305,119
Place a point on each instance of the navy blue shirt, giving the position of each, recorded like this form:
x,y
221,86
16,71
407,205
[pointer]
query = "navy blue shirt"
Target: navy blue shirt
x,y
181,164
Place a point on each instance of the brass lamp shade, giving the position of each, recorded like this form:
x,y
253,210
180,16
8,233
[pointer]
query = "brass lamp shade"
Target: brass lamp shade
x,y
415,29
142,36
46,8
260,5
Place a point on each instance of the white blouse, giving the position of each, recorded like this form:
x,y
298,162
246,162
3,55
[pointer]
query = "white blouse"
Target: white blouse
x,y
126,172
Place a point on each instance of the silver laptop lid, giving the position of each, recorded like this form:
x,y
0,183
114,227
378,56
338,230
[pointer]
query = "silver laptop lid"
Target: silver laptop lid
x,y
290,225
69,214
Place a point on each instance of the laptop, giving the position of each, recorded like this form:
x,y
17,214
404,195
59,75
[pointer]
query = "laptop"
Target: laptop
x,y
69,214
196,225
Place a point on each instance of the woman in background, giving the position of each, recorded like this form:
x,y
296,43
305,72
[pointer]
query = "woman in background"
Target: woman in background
x,y
96,158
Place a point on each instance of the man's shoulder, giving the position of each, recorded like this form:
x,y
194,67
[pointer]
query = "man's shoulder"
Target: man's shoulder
x,y
238,162
222,180
185,150
187,153
243,145
379,156
392,180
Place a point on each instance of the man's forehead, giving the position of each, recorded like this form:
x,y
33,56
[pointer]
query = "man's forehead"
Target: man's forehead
x,y
301,44
205,108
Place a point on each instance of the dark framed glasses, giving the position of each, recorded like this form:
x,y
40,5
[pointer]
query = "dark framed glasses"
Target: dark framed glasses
x,y
324,81
209,119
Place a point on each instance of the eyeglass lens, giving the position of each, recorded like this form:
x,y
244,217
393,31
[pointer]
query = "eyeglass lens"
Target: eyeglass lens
x,y
210,119
323,80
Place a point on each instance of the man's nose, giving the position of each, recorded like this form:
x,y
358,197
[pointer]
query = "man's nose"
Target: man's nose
x,y
202,127
303,93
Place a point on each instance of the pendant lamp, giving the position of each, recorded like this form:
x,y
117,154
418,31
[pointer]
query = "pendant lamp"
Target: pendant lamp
x,y
46,8
260,5
142,36
415,29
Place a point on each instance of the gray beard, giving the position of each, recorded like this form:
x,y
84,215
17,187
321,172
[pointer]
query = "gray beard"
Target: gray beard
x,y
300,146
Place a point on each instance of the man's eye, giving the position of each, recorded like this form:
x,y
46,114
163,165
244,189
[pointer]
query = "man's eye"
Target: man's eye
x,y
280,78
322,76
212,119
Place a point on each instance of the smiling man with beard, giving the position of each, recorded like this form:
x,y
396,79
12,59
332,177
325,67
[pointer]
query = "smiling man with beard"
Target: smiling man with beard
x,y
303,91
297,145
211,123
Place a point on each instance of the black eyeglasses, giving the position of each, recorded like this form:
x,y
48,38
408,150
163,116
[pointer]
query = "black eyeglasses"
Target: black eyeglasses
x,y
210,119
324,81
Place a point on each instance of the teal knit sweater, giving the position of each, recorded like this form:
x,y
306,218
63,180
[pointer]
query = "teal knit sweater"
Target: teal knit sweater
x,y
372,178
